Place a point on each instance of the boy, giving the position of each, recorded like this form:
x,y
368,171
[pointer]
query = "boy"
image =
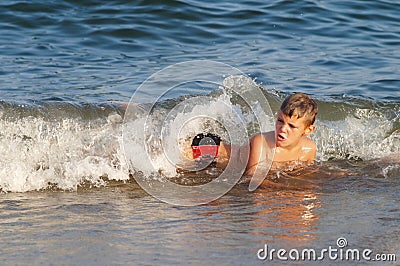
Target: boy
x,y
288,143
295,122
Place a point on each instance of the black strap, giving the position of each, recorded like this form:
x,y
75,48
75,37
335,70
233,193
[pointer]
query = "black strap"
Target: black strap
x,y
209,139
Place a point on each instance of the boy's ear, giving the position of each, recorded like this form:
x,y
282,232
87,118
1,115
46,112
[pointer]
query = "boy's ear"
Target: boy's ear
x,y
310,129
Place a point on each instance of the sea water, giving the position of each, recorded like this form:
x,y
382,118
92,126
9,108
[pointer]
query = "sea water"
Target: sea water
x,y
69,197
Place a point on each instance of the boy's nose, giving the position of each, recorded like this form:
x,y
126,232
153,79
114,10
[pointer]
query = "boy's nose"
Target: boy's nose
x,y
284,127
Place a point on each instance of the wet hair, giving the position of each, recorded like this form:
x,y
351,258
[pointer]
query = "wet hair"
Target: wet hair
x,y
300,104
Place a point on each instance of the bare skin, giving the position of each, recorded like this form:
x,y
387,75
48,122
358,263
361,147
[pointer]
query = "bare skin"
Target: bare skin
x,y
289,142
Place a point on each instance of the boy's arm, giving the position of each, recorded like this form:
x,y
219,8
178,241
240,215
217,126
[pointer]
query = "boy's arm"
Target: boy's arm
x,y
224,154
236,153
258,152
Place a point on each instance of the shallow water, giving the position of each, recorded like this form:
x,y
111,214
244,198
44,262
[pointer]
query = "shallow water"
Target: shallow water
x,y
67,196
122,225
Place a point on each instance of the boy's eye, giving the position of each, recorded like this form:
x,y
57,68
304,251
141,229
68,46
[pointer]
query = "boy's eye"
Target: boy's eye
x,y
292,126
280,120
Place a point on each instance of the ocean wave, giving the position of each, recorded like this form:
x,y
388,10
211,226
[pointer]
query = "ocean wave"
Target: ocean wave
x,y
59,146
64,145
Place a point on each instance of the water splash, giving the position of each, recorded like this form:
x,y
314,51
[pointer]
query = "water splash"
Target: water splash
x,y
64,146
36,153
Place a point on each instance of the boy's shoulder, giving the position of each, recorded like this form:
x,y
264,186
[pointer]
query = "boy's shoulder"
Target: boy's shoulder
x,y
264,138
308,144
308,148
269,137
263,143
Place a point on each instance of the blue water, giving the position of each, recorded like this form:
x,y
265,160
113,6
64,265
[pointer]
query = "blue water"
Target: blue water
x,y
91,51
65,200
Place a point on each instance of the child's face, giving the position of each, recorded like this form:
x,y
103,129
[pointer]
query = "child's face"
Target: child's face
x,y
290,130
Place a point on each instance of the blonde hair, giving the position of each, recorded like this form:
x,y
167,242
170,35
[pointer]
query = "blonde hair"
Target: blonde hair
x,y
300,104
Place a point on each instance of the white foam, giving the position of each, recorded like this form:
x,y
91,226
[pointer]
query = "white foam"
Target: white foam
x,y
35,153
167,128
362,135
